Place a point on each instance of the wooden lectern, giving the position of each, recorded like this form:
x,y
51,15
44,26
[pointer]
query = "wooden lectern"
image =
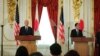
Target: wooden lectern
x,y
81,45
29,42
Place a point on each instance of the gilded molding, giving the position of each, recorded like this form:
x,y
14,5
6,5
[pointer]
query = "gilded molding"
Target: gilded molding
x,y
76,8
11,4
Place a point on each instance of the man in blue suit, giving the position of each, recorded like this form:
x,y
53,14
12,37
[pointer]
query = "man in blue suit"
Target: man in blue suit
x,y
26,30
76,32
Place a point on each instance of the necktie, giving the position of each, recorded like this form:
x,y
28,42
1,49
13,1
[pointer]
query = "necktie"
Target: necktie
x,y
77,32
26,28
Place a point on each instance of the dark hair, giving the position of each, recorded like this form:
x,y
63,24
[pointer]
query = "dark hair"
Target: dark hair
x,y
55,49
21,51
76,24
72,53
36,54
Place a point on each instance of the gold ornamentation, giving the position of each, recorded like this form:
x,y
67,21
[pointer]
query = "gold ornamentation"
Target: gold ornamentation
x,y
11,10
61,3
76,8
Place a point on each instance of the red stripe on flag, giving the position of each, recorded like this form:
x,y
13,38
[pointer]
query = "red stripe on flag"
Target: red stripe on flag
x,y
16,26
61,33
16,31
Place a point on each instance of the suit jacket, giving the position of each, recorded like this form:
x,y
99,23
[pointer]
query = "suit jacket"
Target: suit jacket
x,y
74,33
23,31
98,38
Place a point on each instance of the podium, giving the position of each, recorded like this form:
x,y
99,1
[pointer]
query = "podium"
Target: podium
x,y
29,42
81,45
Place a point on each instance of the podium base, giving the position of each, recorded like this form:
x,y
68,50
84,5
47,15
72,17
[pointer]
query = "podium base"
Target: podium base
x,y
30,45
82,48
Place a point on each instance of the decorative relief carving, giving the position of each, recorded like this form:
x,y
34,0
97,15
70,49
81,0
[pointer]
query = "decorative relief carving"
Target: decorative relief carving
x,y
8,28
76,8
11,4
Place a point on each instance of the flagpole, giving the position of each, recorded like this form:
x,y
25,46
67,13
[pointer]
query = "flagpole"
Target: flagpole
x,y
68,37
2,31
2,40
69,25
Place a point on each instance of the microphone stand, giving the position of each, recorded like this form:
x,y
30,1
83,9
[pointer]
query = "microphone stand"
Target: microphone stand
x,y
2,40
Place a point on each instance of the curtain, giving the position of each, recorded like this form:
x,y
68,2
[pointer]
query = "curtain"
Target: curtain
x,y
96,15
96,24
52,6
33,9
40,7
53,15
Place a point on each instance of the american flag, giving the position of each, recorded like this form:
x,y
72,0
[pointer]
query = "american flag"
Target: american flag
x,y
61,28
16,27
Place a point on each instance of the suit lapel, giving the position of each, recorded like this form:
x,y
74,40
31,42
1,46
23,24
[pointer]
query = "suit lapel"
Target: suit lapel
x,y
77,33
25,29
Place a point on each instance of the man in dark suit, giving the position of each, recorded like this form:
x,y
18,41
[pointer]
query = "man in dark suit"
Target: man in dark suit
x,y
76,32
98,38
97,43
26,30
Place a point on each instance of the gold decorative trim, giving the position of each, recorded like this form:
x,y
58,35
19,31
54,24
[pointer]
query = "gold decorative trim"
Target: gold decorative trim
x,y
11,4
76,9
